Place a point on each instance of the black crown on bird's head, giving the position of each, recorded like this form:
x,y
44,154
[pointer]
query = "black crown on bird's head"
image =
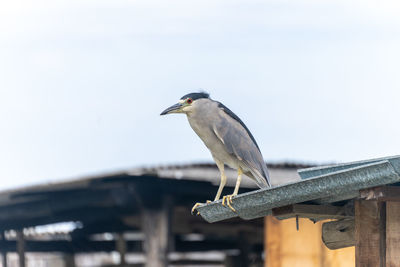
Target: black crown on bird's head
x,y
195,96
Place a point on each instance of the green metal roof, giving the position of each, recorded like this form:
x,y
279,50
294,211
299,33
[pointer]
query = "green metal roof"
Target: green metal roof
x,y
321,185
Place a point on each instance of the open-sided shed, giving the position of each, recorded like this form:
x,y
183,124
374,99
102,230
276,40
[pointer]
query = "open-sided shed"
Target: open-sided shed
x,y
361,197
154,203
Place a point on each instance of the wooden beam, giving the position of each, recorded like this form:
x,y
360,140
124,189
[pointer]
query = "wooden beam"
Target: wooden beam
x,y
370,233
313,212
338,234
392,234
381,193
21,247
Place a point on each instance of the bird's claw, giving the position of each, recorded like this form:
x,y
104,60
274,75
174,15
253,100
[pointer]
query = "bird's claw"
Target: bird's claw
x,y
228,200
197,205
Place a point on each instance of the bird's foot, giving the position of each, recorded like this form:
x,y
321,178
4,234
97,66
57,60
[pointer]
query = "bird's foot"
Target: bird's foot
x,y
197,205
228,200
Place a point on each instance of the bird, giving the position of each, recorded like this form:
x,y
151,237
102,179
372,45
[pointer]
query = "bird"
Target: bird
x,y
228,139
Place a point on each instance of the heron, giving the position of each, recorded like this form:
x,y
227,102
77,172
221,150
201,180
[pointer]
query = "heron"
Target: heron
x,y
228,139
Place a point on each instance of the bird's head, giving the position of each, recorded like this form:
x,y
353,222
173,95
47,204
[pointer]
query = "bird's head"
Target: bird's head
x,y
185,104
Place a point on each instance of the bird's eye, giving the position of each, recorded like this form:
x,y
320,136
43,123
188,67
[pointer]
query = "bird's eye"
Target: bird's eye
x,y
189,101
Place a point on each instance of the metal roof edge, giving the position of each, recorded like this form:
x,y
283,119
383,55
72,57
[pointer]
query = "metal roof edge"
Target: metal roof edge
x,y
259,203
320,170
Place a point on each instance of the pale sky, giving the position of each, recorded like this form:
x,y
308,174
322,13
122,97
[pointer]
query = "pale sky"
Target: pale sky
x,y
82,83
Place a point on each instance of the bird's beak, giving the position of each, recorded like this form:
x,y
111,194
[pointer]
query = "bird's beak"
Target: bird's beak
x,y
172,109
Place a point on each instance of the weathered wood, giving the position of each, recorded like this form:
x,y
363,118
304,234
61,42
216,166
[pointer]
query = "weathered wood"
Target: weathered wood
x,y
392,234
314,212
381,193
21,247
156,228
370,233
121,248
338,234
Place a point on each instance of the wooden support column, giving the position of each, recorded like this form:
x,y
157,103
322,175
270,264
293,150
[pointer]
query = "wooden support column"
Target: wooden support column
x,y
370,233
69,260
392,233
121,248
377,227
156,228
21,247
3,252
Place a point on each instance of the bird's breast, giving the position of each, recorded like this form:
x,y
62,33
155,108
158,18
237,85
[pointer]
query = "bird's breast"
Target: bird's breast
x,y
218,150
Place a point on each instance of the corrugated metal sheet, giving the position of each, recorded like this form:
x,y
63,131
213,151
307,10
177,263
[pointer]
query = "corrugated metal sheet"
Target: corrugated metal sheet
x,y
325,184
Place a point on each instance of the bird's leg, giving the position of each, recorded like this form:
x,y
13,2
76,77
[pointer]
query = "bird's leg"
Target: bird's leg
x,y
222,182
220,166
228,198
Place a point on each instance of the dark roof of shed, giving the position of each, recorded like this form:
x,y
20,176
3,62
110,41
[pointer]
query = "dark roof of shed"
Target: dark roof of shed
x,y
112,194
190,172
321,185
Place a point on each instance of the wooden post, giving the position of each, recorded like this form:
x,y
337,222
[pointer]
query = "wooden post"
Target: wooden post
x,y
21,247
4,253
272,247
370,233
69,260
377,227
392,234
121,248
156,228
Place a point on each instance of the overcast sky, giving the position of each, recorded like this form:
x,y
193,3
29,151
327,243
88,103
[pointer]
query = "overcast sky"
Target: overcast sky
x,y
82,83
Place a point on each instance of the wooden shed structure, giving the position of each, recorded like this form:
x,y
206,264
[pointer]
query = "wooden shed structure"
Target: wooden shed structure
x,y
141,212
361,200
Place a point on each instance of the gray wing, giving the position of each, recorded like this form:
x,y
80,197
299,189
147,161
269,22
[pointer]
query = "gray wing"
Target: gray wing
x,y
240,143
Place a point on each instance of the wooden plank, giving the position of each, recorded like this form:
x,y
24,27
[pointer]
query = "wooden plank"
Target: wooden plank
x,y
21,247
272,242
370,235
338,234
381,193
314,212
392,234
287,247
